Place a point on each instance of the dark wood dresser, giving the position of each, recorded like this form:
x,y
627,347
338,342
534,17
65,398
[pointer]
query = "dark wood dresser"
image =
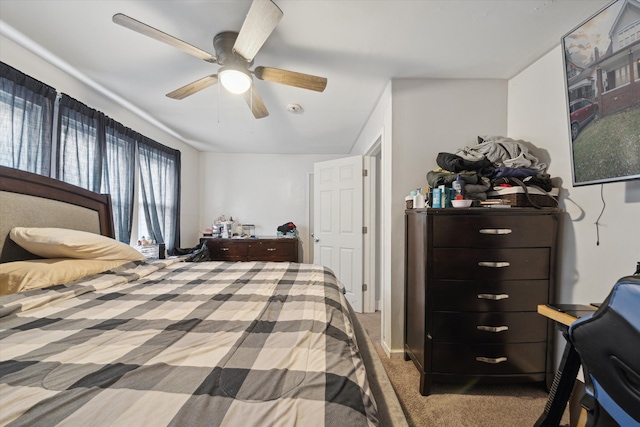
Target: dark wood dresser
x,y
261,249
473,280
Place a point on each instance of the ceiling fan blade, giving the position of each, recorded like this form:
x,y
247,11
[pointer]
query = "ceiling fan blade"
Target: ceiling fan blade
x,y
260,22
291,78
154,33
254,101
194,87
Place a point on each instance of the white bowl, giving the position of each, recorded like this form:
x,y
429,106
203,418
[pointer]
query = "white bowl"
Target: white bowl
x,y
461,203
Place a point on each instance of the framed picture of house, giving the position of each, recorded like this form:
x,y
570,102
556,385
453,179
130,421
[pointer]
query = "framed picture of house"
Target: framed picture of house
x,y
602,69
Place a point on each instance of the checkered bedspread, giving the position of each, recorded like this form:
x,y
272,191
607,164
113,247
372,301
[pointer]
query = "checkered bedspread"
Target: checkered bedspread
x,y
190,344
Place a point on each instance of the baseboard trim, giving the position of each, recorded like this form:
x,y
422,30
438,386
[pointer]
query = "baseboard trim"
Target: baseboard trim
x,y
392,354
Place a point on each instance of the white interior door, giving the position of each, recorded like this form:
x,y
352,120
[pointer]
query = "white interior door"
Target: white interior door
x,y
338,222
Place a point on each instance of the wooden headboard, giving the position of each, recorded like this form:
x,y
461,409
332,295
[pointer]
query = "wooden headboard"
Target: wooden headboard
x,y
31,200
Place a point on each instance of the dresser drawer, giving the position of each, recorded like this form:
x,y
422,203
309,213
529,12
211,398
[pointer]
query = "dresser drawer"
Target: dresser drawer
x,y
226,250
273,250
489,327
493,231
487,295
491,264
263,249
489,359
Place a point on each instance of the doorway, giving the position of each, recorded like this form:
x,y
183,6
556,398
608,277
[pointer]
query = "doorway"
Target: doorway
x,y
372,255
372,264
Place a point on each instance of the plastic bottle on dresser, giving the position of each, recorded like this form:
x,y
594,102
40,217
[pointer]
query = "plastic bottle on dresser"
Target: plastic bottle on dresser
x,y
418,199
436,198
444,200
458,187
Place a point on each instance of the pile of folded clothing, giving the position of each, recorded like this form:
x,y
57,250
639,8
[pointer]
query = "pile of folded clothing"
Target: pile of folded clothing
x,y
495,162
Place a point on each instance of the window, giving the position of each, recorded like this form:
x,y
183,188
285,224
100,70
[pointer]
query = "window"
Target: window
x,y
622,76
159,192
92,151
119,175
629,34
79,152
617,78
97,153
26,121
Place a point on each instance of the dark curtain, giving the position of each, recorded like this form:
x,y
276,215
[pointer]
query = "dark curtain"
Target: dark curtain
x,y
160,190
26,121
98,153
92,152
119,175
80,151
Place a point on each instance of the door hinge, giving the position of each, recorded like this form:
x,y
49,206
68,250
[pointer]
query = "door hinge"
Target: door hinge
x,y
364,229
365,172
364,287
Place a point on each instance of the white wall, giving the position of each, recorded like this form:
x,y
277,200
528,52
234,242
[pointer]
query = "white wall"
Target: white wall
x,y
432,116
417,119
267,190
25,61
378,123
586,271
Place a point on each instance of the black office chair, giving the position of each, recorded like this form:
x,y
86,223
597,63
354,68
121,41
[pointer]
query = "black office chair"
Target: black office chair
x,y
608,343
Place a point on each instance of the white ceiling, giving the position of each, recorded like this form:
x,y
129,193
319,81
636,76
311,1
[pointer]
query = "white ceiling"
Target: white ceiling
x,y
358,45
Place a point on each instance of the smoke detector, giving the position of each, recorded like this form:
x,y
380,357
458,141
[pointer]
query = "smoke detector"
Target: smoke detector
x,y
295,109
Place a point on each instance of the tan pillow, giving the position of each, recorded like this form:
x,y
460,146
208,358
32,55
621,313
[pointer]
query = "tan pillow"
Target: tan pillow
x,y
64,243
39,273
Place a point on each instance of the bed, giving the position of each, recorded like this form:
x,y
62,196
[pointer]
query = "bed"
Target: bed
x,y
168,342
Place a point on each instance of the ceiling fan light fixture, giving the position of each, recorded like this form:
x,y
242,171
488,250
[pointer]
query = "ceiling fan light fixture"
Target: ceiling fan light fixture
x,y
234,80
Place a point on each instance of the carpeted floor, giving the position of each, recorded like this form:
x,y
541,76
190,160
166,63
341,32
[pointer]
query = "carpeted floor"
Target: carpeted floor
x,y
458,405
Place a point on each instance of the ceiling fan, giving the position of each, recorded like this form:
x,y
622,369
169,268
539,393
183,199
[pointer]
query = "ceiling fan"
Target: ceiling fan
x,y
234,52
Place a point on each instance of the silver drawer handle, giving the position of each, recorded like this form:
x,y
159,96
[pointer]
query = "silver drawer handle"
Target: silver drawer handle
x,y
492,328
224,249
495,297
495,231
271,249
494,264
492,360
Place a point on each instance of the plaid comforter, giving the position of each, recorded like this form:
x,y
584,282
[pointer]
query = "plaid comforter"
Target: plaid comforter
x,y
184,344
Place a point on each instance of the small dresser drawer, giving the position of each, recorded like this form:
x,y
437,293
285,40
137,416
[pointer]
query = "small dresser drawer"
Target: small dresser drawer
x,y
262,249
489,359
493,231
226,250
489,327
491,264
273,250
487,295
